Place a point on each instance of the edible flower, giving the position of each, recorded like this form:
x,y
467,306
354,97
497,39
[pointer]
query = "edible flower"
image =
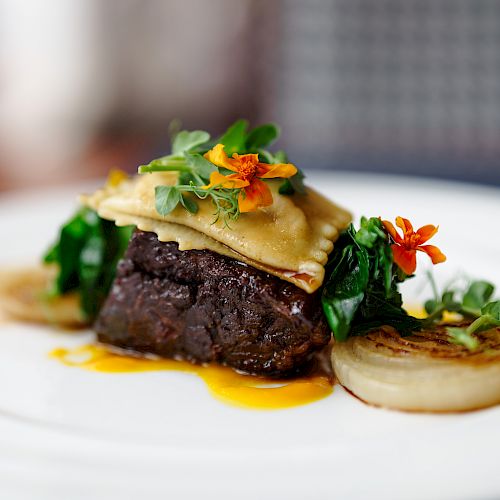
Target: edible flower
x,y
405,248
247,174
116,177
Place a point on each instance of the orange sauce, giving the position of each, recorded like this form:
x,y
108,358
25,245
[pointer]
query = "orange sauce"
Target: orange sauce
x,y
223,383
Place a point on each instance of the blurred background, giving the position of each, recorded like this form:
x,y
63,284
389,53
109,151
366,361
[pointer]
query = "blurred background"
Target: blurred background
x,y
396,86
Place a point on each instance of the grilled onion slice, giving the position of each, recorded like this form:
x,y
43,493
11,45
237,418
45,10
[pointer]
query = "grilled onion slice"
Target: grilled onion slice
x,y
423,372
23,296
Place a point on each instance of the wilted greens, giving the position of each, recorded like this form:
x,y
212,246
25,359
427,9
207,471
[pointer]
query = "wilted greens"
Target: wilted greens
x,y
86,253
361,290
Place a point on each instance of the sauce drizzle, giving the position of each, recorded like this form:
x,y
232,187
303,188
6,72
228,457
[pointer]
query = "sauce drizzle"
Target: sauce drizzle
x,y
244,391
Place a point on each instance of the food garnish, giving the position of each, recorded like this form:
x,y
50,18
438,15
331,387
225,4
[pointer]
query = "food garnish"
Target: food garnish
x,y
233,184
405,248
86,254
248,170
363,274
473,303
361,291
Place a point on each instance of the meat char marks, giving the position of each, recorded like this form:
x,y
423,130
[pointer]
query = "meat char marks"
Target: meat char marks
x,y
203,307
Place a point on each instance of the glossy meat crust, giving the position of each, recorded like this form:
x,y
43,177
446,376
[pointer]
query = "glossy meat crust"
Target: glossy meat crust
x,y
203,307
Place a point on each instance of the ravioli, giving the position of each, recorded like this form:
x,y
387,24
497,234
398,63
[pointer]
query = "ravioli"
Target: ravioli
x,y
290,239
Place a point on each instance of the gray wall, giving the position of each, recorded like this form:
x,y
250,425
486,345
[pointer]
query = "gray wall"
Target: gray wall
x,y
392,85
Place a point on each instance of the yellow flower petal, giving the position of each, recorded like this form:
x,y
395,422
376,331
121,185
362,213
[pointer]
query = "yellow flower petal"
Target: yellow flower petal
x,y
405,248
255,196
405,225
434,253
426,233
116,177
218,157
283,170
405,259
389,227
228,182
251,158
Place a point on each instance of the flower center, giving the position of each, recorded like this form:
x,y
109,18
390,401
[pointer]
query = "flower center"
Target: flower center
x,y
248,167
414,241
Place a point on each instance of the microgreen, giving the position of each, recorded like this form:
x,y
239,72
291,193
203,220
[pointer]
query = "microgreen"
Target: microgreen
x,y
478,294
462,336
489,318
262,137
234,138
225,200
167,198
472,303
294,184
186,141
194,170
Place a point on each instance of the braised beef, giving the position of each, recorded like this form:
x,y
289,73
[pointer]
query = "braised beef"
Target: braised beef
x,y
200,306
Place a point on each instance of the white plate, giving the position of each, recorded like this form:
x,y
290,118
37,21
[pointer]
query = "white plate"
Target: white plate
x,y
67,433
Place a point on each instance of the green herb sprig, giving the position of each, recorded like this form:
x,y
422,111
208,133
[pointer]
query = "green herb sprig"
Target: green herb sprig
x,y
225,200
473,303
194,170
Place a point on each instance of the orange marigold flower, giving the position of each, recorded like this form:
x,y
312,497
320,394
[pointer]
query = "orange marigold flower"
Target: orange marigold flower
x,y
405,248
248,172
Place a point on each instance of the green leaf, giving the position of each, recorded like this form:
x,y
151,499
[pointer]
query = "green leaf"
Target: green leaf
x,y
72,239
361,286
86,254
449,302
286,188
167,198
478,294
386,263
370,231
186,141
235,137
461,336
297,182
200,166
294,184
169,163
492,309
189,204
225,201
261,137
186,178
379,309
431,306
280,157
91,263
448,297
345,290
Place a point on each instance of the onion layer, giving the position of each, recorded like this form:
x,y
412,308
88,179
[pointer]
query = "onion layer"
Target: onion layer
x,y
23,296
423,372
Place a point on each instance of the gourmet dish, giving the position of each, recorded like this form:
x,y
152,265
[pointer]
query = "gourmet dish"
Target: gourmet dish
x,y
219,254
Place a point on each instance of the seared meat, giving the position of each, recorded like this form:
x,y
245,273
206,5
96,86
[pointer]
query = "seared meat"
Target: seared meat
x,y
203,307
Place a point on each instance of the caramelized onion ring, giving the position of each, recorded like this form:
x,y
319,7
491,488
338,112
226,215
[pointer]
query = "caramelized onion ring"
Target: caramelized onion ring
x,y
423,372
23,296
